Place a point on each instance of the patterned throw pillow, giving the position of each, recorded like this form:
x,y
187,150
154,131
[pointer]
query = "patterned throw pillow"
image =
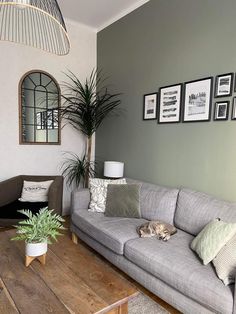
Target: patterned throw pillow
x,y
98,191
212,238
35,191
225,262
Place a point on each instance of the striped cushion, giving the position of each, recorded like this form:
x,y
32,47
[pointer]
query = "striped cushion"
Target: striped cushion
x,y
225,262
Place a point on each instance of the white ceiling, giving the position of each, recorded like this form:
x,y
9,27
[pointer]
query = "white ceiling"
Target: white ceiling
x,y
98,13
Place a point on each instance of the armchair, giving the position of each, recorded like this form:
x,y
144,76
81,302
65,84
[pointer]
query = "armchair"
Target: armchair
x,y
10,192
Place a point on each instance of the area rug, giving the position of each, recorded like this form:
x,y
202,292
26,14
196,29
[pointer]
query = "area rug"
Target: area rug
x,y
142,304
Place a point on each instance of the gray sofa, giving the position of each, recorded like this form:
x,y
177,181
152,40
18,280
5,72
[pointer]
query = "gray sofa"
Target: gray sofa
x,y
168,269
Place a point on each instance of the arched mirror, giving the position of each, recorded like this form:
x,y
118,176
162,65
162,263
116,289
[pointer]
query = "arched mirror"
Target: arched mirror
x,y
39,109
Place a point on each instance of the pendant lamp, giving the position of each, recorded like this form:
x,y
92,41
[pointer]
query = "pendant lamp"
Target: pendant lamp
x,y
36,23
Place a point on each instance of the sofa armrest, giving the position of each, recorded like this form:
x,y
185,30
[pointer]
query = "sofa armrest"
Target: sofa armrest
x,y
80,200
55,195
10,190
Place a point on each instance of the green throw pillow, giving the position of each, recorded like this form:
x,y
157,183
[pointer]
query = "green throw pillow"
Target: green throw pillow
x,y
123,200
212,238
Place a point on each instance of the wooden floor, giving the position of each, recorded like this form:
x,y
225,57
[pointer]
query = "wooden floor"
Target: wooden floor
x,y
81,249
162,303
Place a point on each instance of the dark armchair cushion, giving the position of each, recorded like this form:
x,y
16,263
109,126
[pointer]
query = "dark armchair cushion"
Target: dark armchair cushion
x,y
10,211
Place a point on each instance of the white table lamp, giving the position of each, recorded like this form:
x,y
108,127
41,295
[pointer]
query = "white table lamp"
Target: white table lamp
x,y
113,169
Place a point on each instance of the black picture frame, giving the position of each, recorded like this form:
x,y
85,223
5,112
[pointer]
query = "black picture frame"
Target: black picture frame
x,y
221,111
171,97
149,108
235,82
196,88
218,82
233,114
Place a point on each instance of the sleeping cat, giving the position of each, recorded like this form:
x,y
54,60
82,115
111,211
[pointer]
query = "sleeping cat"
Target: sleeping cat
x,y
156,228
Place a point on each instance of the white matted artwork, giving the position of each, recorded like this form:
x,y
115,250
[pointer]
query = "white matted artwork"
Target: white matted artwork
x,y
150,106
197,100
221,110
223,85
169,103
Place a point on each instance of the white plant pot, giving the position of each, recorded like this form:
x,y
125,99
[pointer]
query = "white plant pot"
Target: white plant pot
x,y
36,249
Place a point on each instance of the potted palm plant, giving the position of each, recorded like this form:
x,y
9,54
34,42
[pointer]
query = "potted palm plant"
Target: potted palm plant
x,y
38,230
76,169
85,106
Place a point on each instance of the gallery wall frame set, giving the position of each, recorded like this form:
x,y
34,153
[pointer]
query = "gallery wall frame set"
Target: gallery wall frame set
x,y
191,100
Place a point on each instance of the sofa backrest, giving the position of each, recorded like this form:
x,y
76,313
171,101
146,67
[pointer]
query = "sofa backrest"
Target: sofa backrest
x,y
195,210
157,202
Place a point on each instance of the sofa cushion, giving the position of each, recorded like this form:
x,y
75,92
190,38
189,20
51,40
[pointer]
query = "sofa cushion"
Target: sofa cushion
x,y
212,238
98,191
157,203
225,262
195,210
10,211
123,200
35,191
174,263
111,232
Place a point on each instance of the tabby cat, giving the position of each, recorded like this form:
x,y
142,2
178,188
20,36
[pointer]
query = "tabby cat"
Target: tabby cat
x,y
156,228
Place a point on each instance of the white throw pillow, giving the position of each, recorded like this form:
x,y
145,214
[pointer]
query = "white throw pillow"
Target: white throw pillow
x,y
98,191
35,191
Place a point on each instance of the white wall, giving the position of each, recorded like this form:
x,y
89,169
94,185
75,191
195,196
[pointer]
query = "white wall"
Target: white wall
x,y
15,60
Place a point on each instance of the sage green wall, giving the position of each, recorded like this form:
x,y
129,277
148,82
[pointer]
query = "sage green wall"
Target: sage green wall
x,y
162,43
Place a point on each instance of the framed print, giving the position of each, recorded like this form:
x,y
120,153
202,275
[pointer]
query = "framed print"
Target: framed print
x,y
223,85
197,100
169,104
233,117
150,106
221,110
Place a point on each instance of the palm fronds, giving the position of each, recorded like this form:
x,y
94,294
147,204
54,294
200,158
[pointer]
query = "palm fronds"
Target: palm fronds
x,y
77,169
86,105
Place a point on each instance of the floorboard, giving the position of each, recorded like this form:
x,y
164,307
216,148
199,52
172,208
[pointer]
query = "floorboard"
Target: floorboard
x,y
71,262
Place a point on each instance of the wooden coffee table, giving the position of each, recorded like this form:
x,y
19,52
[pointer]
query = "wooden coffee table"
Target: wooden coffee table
x,y
74,280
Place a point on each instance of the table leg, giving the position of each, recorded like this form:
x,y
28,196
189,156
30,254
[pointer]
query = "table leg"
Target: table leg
x,y
121,309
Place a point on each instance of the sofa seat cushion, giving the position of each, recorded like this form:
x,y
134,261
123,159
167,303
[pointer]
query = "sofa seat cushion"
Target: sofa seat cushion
x,y
174,263
10,211
111,232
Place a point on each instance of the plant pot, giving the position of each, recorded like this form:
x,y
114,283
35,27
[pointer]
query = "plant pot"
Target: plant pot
x,y
36,249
